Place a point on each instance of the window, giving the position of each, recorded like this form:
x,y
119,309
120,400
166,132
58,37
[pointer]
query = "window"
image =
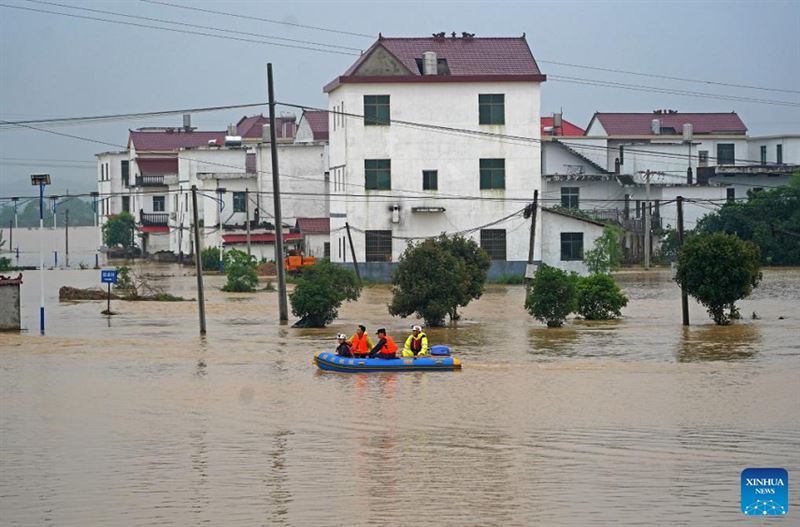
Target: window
x,y
702,158
493,241
239,202
725,154
124,168
126,203
570,197
730,194
493,174
430,180
779,154
326,250
491,108
158,203
571,246
763,154
378,246
376,110
378,174
621,154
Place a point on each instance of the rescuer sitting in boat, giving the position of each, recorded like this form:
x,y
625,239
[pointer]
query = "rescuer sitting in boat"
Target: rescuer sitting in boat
x,y
343,349
385,348
360,343
416,344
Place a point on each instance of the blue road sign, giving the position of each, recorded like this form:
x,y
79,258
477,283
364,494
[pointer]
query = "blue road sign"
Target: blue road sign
x,y
108,276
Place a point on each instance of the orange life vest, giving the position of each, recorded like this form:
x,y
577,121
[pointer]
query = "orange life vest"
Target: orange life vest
x,y
360,345
390,347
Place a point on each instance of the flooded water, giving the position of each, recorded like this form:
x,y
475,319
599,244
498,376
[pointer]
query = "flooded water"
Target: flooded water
x,y
138,420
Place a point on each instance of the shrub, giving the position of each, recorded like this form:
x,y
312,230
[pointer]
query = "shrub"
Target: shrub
x,y
209,257
119,230
240,269
718,269
437,276
599,297
320,291
551,295
607,253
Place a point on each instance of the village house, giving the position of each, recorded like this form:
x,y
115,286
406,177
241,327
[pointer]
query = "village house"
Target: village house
x,y
393,180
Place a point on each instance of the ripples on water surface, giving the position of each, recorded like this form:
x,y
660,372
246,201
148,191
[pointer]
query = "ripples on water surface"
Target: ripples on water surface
x,y
640,421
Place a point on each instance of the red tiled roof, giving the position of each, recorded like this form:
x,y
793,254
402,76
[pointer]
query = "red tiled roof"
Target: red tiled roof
x,y
157,166
251,127
163,141
567,128
260,238
318,122
473,58
314,225
639,123
154,228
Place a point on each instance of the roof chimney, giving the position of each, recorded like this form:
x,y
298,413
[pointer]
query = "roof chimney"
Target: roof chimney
x,y
231,129
429,63
265,137
655,126
557,119
688,132
187,122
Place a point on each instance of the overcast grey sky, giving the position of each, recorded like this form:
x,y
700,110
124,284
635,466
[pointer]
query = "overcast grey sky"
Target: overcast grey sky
x,y
54,66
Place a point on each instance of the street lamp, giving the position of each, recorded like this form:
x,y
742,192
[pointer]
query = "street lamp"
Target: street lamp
x,y
41,180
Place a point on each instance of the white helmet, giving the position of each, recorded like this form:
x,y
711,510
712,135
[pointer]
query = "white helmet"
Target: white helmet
x,y
341,336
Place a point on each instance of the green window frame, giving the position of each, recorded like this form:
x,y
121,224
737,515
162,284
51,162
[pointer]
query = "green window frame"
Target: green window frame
x,y
493,174
239,204
570,197
779,154
491,108
726,154
763,154
376,110
430,180
571,246
378,174
159,204
493,241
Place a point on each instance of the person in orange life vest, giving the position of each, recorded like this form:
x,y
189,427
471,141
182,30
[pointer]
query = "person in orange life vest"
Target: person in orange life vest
x,y
343,349
360,343
385,348
416,344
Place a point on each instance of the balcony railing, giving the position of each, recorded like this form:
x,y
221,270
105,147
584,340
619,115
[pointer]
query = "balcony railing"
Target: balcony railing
x,y
153,219
150,181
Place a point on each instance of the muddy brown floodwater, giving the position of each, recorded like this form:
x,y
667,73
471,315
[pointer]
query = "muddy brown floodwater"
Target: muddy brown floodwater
x,y
136,420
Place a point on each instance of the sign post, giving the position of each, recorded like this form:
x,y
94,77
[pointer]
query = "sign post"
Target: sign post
x,y
108,276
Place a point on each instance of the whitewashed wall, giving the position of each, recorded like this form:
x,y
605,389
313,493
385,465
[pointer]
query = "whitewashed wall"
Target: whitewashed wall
x,y
552,227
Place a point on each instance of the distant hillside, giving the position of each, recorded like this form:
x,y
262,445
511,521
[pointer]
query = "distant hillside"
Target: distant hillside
x,y
80,212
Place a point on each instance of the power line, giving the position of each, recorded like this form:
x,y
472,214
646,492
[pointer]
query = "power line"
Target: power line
x,y
196,26
261,19
175,30
127,116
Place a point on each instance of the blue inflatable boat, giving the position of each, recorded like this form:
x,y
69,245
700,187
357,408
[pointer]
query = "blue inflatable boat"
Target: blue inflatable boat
x,y
333,362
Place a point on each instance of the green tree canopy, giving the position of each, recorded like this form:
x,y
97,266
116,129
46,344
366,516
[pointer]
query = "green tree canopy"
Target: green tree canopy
x,y
119,230
718,269
551,295
320,291
240,269
607,253
599,297
437,276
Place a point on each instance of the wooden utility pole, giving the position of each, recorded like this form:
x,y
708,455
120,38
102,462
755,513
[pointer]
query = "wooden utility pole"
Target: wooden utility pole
x,y
532,241
276,198
684,296
647,222
247,217
66,235
352,250
198,263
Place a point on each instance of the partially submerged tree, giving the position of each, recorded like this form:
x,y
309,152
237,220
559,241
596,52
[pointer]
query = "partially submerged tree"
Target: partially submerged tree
x,y
551,296
209,258
599,297
718,269
320,291
606,256
240,269
436,277
119,230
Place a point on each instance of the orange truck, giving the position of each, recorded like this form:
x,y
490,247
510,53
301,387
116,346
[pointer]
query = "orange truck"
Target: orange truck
x,y
296,262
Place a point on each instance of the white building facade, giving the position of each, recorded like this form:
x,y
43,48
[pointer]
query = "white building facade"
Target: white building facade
x,y
419,162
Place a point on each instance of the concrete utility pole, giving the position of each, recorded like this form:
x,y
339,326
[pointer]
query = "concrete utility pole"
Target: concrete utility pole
x,y
352,250
529,270
247,217
198,263
55,201
41,180
647,221
66,235
276,196
684,296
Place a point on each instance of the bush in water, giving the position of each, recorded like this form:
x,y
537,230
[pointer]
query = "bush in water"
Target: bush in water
x,y
599,297
320,291
240,269
551,296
